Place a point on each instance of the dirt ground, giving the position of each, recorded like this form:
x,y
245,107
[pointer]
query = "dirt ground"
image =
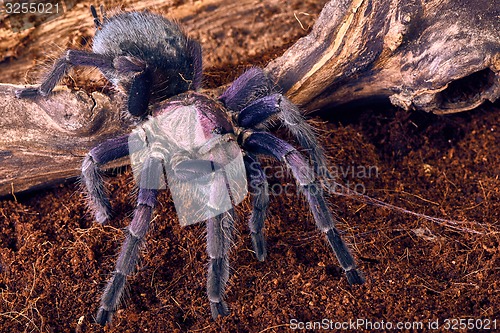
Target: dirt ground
x,y
55,261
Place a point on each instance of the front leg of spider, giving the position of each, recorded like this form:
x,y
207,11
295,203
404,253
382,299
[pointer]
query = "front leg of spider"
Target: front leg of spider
x,y
219,240
71,58
145,67
259,106
139,89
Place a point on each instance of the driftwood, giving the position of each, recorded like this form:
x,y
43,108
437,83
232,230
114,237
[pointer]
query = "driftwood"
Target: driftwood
x,y
436,56
441,56
44,140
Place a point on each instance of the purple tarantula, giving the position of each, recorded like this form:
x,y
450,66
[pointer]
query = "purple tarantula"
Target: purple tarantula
x,y
207,148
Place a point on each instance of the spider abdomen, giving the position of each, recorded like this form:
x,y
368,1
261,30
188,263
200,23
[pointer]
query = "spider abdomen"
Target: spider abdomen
x,y
143,43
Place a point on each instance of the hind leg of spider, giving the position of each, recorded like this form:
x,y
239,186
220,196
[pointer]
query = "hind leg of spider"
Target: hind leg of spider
x,y
129,253
70,59
91,177
260,203
268,144
219,239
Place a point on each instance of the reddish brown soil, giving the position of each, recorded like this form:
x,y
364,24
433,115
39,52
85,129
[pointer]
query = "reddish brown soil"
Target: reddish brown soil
x,y
54,260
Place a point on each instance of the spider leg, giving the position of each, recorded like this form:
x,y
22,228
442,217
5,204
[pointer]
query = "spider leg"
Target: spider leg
x,y
263,111
250,86
250,96
260,203
139,92
219,238
129,253
268,144
70,59
91,177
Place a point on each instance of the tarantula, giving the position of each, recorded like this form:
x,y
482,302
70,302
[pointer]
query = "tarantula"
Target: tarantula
x,y
207,148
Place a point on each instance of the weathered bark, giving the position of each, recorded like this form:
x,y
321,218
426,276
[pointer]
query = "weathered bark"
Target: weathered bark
x,y
438,56
44,140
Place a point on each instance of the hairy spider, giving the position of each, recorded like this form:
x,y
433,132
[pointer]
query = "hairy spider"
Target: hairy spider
x,y
208,149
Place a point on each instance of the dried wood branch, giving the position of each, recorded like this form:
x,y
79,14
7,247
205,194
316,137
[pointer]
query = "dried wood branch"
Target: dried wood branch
x,y
437,56
44,140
